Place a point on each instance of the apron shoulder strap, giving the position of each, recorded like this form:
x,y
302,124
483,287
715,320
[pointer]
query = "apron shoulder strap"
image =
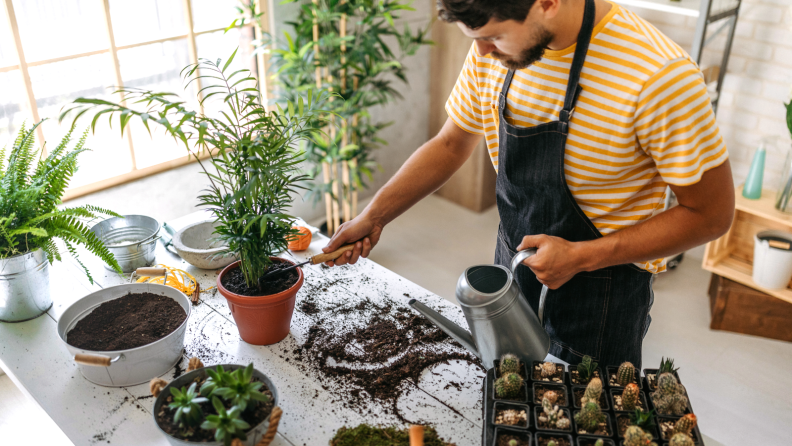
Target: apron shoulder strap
x,y
573,86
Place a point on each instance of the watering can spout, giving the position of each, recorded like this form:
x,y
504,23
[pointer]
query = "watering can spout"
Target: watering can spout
x,y
452,329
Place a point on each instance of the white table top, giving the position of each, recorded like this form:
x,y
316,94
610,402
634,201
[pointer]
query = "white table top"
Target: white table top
x,y
40,365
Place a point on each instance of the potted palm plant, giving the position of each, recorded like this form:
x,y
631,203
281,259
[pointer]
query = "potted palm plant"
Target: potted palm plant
x,y
252,171
30,222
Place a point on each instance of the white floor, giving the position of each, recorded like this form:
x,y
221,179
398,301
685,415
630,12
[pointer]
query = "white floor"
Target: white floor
x,y
739,385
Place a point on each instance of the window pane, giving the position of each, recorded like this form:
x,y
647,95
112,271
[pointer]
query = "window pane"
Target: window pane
x,y
56,28
213,14
7,52
13,107
145,20
156,67
219,45
58,84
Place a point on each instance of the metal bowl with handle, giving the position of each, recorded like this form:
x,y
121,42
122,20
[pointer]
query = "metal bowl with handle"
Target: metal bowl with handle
x,y
133,366
132,240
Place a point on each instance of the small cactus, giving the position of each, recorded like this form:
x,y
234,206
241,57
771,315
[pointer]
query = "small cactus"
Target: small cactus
x,y
685,424
589,417
554,416
552,443
508,386
635,436
509,364
513,442
593,392
586,369
681,440
551,396
548,369
599,442
625,374
669,399
630,395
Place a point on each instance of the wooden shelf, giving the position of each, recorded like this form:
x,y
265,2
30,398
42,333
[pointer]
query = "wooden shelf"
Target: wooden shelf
x,y
731,256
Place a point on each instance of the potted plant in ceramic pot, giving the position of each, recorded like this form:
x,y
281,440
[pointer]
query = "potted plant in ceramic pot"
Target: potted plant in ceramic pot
x,y
254,157
30,222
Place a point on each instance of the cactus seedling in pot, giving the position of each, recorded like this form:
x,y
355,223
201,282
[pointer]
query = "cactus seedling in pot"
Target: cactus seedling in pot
x,y
509,364
553,416
635,436
589,417
508,386
669,399
548,369
681,440
629,397
593,392
624,375
685,424
586,369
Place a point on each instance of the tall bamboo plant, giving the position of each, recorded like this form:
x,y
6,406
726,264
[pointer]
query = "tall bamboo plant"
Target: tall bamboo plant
x,y
345,46
31,188
253,154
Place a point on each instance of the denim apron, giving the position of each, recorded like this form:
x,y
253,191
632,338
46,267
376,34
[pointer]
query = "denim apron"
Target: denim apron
x,y
602,313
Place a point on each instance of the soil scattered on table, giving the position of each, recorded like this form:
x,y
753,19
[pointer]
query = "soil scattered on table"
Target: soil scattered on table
x,y
543,440
365,435
253,415
504,439
309,308
130,321
234,281
540,389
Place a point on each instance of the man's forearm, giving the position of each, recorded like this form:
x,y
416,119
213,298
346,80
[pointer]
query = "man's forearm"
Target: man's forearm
x,y
423,173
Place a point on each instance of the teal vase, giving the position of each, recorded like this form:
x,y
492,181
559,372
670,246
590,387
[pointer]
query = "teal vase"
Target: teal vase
x,y
753,184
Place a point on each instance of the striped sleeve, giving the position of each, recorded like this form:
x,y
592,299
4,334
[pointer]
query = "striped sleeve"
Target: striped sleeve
x,y
675,124
464,104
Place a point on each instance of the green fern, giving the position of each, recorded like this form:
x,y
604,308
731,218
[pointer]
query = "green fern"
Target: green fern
x,y
29,199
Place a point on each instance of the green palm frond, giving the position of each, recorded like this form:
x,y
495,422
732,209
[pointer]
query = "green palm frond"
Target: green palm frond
x,y
30,193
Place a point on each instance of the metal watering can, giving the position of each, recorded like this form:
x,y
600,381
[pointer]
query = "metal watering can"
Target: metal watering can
x,y
499,317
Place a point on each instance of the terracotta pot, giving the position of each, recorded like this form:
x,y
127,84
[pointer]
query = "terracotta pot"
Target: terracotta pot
x,y
261,320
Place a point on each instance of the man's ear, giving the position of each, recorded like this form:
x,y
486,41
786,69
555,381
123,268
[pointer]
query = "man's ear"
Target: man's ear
x,y
546,9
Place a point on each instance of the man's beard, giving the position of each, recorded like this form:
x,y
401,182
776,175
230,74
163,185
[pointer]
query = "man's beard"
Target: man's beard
x,y
530,55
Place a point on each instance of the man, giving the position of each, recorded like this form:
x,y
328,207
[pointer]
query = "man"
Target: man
x,y
588,112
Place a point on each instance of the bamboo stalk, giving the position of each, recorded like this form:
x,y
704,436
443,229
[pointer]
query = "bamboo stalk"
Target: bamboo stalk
x,y
328,199
318,74
347,196
354,161
325,166
334,165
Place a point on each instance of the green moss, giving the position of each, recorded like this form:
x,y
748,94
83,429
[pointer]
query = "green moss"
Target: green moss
x,y
365,435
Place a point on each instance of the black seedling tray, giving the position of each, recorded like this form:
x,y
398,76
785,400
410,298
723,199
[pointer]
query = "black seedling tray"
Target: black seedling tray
x,y
488,434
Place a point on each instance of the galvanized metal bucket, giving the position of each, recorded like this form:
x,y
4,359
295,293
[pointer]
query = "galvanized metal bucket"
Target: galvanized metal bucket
x,y
132,240
129,367
253,435
24,286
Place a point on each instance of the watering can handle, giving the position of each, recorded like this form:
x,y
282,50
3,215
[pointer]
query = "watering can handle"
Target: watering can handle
x,y
517,261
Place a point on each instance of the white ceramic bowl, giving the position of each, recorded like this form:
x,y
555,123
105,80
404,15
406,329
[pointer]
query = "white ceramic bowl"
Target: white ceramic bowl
x,y
194,244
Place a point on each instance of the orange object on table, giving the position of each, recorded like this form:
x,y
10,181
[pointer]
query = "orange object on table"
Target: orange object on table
x,y
301,241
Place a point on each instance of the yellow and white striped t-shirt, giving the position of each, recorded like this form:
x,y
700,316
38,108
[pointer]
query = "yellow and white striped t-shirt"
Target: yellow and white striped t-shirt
x,y
643,118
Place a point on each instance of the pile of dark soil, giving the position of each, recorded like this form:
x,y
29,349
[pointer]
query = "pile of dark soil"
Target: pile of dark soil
x,y
373,361
127,322
253,415
365,435
234,281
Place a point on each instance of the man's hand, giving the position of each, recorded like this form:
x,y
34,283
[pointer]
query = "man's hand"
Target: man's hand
x,y
556,260
361,229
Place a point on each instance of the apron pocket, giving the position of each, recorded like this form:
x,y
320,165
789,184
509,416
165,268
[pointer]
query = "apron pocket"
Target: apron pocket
x,y
575,315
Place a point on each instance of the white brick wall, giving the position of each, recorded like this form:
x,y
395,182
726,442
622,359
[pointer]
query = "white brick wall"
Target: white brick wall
x,y
758,81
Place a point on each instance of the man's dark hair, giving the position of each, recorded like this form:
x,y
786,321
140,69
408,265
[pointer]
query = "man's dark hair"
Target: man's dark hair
x,y
476,13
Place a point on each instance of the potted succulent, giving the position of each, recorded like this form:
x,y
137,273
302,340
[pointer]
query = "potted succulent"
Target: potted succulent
x,y
552,439
623,374
666,366
215,406
582,373
254,171
591,420
551,417
592,392
547,372
670,397
639,418
30,222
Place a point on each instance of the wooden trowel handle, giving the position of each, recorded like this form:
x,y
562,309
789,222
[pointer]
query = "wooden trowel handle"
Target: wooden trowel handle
x,y
150,272
321,258
95,360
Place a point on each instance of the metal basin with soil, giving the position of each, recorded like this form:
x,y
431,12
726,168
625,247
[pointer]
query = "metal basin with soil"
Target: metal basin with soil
x,y
132,366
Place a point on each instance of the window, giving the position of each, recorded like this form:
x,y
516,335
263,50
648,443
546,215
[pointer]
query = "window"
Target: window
x,y
53,51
